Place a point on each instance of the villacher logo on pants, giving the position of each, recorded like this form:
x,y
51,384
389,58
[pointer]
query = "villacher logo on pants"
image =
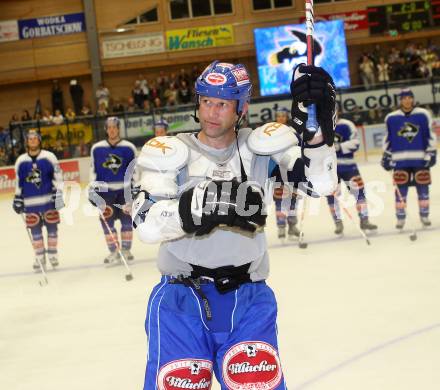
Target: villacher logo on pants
x,y
252,363
185,374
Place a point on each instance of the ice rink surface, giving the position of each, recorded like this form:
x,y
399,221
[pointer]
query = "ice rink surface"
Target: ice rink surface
x,y
351,316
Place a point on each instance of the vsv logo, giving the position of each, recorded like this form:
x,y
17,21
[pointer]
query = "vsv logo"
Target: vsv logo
x,y
294,52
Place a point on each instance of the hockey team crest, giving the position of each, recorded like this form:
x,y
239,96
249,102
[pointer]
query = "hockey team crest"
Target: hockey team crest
x,y
34,177
113,163
408,131
185,374
251,365
216,79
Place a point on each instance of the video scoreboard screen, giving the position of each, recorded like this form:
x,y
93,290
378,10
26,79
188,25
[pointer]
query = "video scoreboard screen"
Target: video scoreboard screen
x,y
404,17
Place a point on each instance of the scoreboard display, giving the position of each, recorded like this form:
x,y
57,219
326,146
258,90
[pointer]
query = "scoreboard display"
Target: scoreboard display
x,y
404,17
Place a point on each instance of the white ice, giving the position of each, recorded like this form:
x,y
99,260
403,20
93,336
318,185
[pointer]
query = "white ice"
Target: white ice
x,y
351,316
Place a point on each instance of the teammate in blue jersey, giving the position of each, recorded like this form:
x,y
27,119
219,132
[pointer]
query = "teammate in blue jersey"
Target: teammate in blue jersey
x,y
110,160
410,151
38,194
346,144
283,196
201,195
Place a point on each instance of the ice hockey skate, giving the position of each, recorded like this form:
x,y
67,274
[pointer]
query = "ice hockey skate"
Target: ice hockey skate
x,y
339,228
367,226
112,259
282,232
425,222
400,224
127,254
39,260
293,232
53,259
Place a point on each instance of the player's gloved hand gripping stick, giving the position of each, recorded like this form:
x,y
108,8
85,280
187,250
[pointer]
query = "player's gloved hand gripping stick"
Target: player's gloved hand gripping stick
x,y
312,123
313,96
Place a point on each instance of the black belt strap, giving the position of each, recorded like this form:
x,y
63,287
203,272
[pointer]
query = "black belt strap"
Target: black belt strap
x,y
227,278
195,283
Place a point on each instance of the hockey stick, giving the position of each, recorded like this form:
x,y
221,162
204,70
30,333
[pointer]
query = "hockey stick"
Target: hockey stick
x,y
311,124
301,243
413,235
129,275
363,234
44,281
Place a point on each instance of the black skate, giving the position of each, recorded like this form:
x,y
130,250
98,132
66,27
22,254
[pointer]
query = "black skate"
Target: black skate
x,y
293,232
281,232
339,228
366,225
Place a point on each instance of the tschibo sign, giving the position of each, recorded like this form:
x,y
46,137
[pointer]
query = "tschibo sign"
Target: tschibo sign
x,y
115,47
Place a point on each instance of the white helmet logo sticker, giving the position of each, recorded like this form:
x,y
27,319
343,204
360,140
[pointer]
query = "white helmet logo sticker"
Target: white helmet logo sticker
x,y
216,79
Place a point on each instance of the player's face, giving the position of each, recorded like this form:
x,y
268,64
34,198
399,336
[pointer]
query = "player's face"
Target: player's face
x,y
33,143
407,103
281,117
160,131
112,132
217,116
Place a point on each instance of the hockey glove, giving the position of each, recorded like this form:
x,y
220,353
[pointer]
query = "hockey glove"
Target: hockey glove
x,y
430,159
141,204
94,198
387,163
57,198
313,85
214,203
18,204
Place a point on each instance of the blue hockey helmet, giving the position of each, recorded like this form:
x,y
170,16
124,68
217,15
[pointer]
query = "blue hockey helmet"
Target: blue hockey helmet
x,y
225,81
161,123
406,92
113,120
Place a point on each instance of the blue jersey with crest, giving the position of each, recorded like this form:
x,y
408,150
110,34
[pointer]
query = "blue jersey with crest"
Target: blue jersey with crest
x,y
110,162
409,136
37,178
346,136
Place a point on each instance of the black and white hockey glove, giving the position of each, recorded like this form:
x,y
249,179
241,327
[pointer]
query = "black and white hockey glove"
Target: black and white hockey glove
x,y
141,204
214,203
57,198
18,204
94,198
313,85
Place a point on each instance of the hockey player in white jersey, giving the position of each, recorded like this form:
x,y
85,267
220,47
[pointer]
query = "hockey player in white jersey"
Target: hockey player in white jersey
x,y
201,196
